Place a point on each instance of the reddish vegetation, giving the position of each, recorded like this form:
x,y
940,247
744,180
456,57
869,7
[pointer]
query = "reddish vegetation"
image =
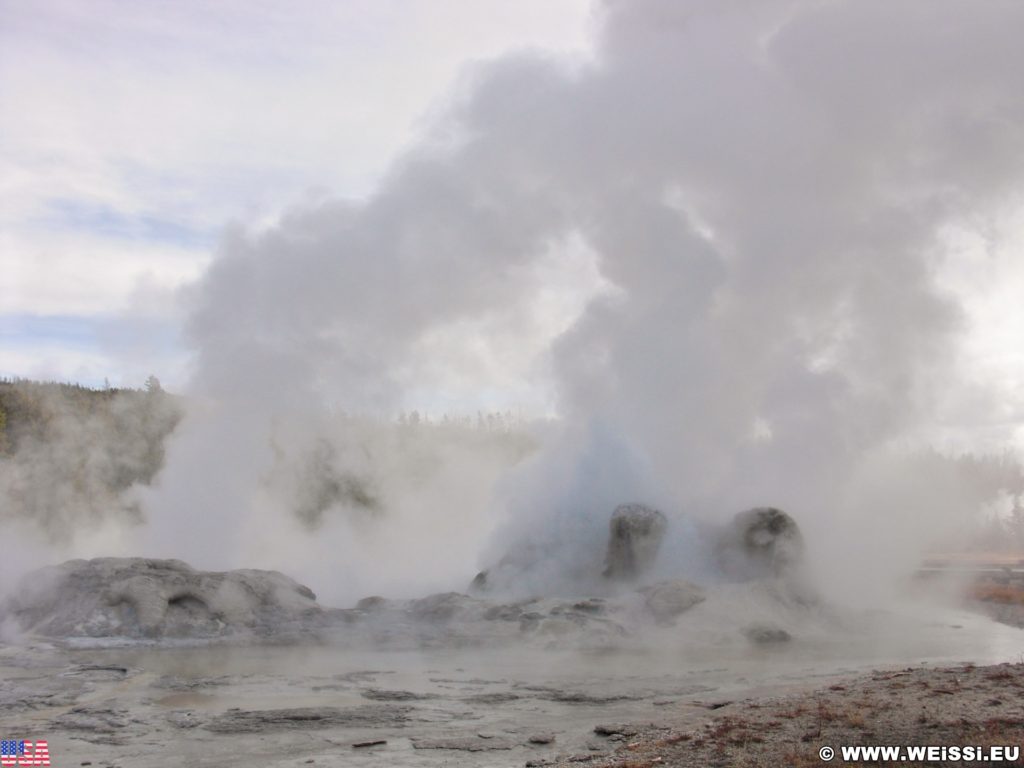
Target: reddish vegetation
x,y
991,592
979,706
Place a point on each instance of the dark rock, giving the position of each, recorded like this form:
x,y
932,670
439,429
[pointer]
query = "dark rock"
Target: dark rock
x,y
616,729
765,634
634,537
761,542
479,583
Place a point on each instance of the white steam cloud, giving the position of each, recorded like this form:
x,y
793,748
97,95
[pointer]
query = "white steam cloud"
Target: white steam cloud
x,y
753,197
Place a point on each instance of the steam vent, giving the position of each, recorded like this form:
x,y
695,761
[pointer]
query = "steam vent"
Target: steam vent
x,y
634,538
760,542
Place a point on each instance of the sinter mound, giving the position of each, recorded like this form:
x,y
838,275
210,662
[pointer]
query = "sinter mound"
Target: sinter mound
x,y
141,598
634,538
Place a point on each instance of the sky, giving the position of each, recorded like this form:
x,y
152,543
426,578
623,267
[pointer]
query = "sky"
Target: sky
x,y
133,135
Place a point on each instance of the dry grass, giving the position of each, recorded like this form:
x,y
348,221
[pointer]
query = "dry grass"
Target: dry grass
x,y
1000,675
1003,594
955,705
675,738
790,713
856,719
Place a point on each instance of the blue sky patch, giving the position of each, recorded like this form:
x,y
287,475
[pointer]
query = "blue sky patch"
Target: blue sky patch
x,y
65,214
24,330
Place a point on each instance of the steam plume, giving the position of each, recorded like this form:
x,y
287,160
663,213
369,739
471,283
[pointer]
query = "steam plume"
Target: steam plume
x,y
755,197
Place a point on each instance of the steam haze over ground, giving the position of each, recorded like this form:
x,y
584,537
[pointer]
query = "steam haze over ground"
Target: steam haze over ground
x,y
735,254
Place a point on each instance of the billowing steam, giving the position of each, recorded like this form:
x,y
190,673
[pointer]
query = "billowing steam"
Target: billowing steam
x,y
716,243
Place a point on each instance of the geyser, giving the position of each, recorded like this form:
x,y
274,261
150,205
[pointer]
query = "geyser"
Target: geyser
x,y
763,541
712,251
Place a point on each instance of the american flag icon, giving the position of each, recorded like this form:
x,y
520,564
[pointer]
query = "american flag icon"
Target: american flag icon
x,y
18,752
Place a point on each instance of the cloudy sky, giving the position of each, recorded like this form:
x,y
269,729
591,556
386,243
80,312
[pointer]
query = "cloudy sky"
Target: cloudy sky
x,y
132,134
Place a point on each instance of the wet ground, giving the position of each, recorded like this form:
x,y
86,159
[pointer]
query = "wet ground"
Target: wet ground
x,y
504,705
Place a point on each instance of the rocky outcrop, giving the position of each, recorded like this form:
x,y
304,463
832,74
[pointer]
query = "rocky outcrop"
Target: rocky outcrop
x,y
761,542
766,634
143,598
634,538
443,607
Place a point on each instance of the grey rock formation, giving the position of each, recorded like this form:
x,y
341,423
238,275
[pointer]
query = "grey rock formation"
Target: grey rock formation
x,y
766,634
143,598
760,542
634,537
668,599
443,607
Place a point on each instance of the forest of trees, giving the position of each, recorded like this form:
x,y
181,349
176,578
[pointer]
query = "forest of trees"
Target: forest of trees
x,y
68,453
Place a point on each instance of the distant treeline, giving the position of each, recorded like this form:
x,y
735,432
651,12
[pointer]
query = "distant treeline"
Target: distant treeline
x,y
71,455
485,421
68,452
32,411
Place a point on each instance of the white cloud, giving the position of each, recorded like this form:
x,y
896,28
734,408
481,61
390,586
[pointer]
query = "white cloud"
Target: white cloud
x,y
76,273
